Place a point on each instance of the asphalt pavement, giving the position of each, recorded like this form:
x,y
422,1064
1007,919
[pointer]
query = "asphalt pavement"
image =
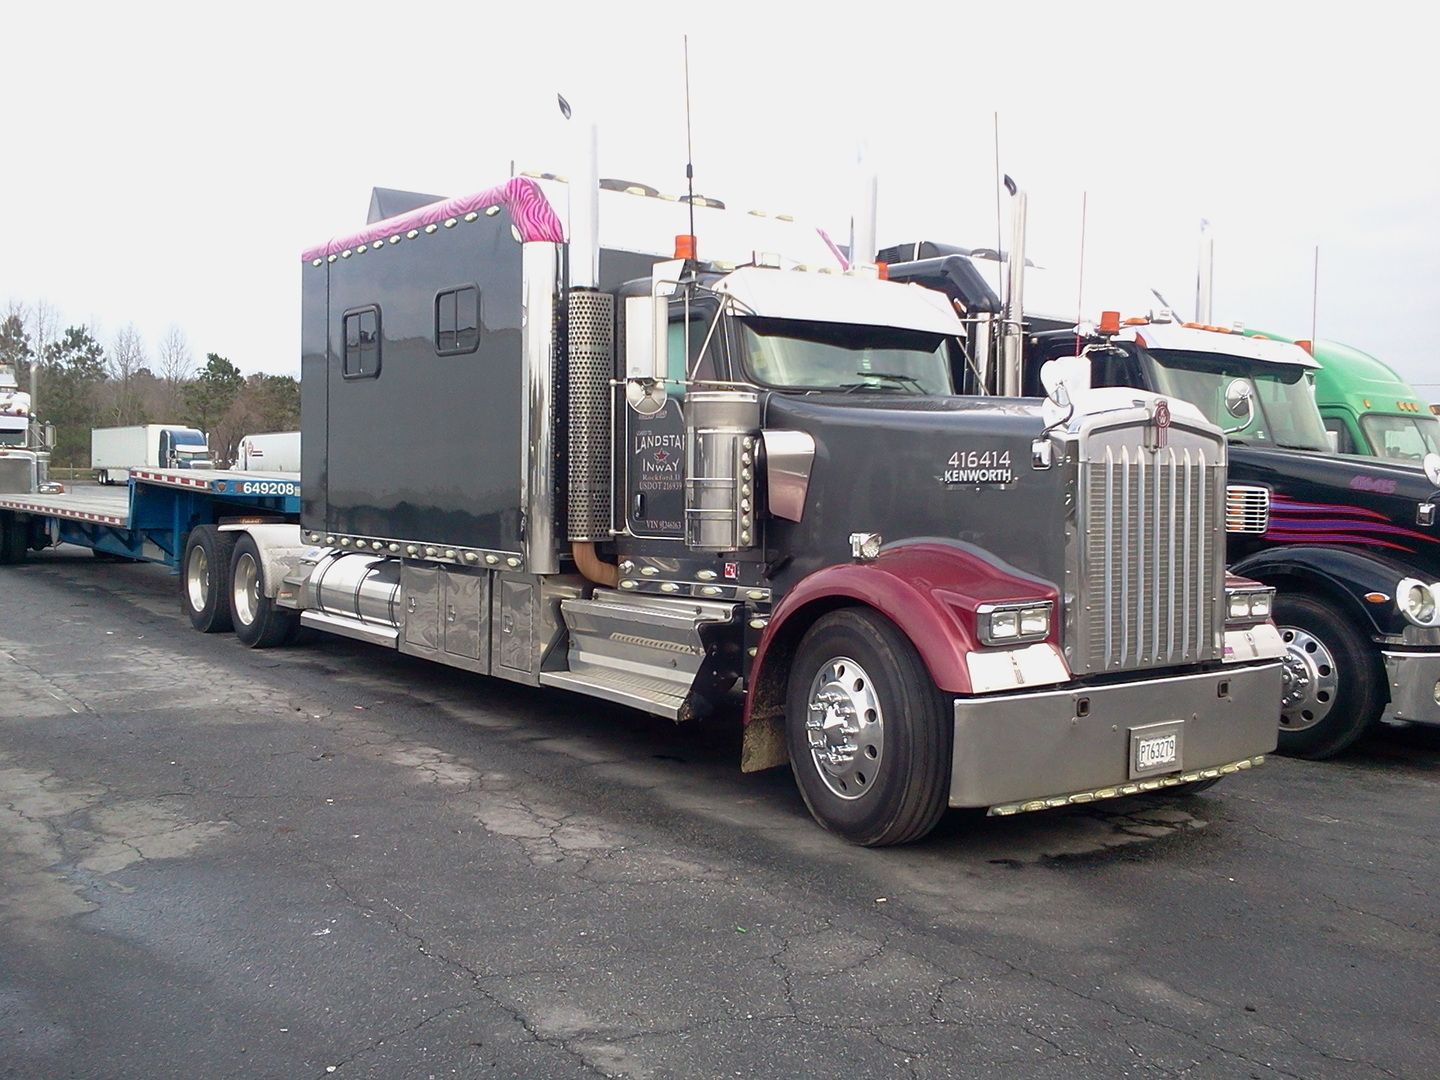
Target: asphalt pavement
x,y
330,860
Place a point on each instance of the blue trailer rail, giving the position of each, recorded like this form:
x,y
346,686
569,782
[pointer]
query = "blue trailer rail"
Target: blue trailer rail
x,y
151,518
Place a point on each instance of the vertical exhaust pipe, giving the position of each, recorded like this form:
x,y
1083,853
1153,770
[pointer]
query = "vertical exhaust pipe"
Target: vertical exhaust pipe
x,y
1014,332
1205,276
590,363
863,244
585,213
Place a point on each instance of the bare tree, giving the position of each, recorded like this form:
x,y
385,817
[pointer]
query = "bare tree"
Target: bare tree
x,y
125,361
42,320
16,349
175,366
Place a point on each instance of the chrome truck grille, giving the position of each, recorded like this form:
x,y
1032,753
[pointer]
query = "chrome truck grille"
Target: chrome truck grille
x,y
17,475
1148,554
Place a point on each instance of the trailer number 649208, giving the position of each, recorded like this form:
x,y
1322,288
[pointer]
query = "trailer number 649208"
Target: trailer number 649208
x,y
268,487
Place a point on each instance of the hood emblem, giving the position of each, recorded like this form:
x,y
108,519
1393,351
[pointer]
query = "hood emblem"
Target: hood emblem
x,y
1160,425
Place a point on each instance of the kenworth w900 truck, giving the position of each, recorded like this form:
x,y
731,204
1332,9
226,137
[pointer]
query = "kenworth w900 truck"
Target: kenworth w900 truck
x,y
575,458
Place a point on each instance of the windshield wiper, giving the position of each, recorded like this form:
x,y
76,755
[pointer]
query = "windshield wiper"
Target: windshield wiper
x,y
904,380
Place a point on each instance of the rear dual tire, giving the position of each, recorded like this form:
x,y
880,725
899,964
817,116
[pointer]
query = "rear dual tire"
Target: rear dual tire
x,y
205,578
258,622
14,538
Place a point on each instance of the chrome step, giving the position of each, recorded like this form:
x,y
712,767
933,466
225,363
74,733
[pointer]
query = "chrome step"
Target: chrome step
x,y
638,692
652,653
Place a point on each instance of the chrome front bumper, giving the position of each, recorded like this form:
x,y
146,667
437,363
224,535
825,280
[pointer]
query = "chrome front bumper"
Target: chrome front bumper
x,y
1013,750
1413,677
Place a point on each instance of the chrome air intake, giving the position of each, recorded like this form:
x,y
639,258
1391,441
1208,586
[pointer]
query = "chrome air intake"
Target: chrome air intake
x,y
591,318
722,446
1247,509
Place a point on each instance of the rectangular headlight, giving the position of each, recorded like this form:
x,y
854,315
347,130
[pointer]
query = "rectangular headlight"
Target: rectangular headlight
x,y
1250,604
1009,624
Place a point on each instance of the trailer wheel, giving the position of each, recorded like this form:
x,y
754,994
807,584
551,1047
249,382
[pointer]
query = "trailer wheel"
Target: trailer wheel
x,y
869,734
258,622
1334,687
205,578
14,538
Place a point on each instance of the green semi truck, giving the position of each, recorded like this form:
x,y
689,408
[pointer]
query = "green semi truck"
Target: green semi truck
x,y
1368,409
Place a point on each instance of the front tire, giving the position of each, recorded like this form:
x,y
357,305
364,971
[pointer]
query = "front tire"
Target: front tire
x,y
1334,685
205,578
258,622
869,734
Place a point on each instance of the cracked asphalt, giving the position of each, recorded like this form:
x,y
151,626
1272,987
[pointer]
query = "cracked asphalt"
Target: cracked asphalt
x,y
334,861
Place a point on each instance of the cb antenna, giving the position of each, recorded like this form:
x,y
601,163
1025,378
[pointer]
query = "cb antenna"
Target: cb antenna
x,y
689,149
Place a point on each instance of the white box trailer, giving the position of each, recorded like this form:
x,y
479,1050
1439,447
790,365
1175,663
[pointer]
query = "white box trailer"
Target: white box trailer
x,y
115,451
276,451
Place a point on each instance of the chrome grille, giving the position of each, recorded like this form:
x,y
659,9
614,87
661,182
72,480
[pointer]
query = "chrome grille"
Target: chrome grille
x,y
17,475
1151,558
1247,509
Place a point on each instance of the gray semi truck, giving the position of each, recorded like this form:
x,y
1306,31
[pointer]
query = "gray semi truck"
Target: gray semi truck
x,y
548,446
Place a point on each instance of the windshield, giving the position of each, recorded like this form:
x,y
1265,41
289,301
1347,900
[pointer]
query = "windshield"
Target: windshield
x,y
1402,438
845,356
1285,413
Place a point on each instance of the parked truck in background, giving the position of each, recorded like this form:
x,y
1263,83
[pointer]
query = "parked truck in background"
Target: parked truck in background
x,y
116,450
615,467
276,451
1351,546
24,443
1368,408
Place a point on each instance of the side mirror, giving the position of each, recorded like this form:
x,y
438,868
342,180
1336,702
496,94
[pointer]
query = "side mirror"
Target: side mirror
x,y
1065,377
1431,465
1239,403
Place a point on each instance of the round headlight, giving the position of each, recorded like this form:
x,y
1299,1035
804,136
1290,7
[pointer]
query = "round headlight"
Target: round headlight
x,y
1417,601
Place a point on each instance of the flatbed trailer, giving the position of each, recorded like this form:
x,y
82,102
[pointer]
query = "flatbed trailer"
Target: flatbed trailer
x,y
152,516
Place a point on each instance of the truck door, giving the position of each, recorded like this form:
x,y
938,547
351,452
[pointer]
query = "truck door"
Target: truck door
x,y
654,455
167,450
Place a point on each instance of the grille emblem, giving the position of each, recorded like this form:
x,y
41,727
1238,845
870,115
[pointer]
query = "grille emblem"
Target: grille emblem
x,y
1160,419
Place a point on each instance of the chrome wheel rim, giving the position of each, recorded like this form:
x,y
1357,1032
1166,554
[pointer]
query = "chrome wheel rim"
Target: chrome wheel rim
x,y
1309,680
247,588
197,578
845,728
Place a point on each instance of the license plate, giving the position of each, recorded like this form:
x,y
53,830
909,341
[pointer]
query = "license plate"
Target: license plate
x,y
1156,748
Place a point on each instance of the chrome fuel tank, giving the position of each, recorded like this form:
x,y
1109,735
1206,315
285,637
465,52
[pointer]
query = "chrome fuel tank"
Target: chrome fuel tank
x,y
356,587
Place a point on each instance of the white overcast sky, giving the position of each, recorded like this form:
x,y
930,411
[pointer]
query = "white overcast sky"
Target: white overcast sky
x,y
167,162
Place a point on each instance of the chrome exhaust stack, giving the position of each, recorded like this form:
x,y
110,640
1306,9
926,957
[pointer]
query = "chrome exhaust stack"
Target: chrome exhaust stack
x,y
590,363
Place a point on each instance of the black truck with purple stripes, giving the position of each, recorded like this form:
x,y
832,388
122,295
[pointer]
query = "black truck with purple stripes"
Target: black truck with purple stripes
x,y
1351,544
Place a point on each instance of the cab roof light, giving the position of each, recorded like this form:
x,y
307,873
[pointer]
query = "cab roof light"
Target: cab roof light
x,y
1109,322
684,246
